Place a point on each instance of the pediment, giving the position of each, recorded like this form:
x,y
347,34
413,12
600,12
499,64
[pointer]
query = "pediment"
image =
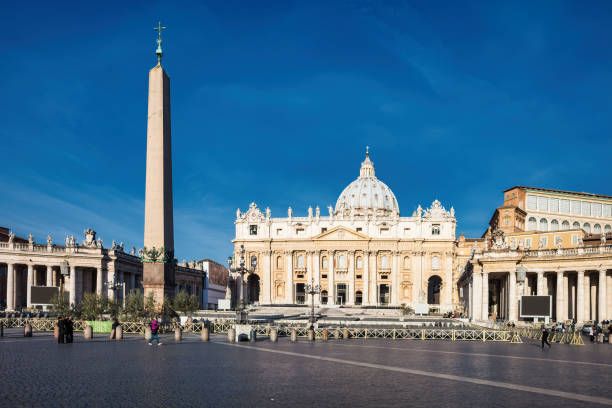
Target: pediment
x,y
340,234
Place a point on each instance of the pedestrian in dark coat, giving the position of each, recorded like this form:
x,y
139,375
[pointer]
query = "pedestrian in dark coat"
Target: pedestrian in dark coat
x,y
69,330
545,337
61,326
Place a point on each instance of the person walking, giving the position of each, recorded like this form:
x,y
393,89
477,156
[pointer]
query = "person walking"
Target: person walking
x,y
591,334
154,325
61,329
545,337
69,329
114,328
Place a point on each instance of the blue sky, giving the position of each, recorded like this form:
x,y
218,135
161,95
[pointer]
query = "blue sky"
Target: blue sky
x,y
274,102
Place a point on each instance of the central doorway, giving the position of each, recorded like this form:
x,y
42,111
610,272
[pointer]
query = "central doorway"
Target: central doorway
x,y
384,294
341,293
300,293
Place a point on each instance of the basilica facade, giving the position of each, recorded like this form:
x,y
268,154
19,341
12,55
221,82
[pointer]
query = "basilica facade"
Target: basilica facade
x,y
361,253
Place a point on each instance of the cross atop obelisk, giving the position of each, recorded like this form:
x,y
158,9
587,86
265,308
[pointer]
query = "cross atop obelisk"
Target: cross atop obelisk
x,y
158,51
158,251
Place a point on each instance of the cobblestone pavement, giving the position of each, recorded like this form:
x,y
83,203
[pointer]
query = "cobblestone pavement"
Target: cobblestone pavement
x,y
354,373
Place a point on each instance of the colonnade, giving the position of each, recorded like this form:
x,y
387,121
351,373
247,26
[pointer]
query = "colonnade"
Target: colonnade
x,y
580,295
79,280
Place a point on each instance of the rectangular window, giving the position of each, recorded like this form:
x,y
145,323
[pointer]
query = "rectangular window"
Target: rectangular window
x,y
252,229
574,239
553,205
324,276
564,206
596,209
576,207
384,231
359,229
532,202
358,276
542,204
528,243
543,242
323,230
607,210
299,231
586,209
406,231
279,231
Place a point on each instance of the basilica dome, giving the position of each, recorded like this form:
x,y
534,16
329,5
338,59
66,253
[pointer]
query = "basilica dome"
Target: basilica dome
x,y
367,195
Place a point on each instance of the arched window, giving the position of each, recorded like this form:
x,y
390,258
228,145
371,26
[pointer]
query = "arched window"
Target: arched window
x,y
587,227
543,224
359,262
324,262
607,228
342,261
324,297
435,263
406,262
384,261
554,225
300,261
576,225
532,224
435,229
565,225
596,229
279,262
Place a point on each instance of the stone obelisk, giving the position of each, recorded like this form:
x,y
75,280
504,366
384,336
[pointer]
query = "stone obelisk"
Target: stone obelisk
x,y
158,251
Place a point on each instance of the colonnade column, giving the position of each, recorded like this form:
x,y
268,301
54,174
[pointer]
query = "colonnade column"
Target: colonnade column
x,y
317,274
540,284
30,282
366,278
49,276
331,291
485,296
289,285
559,291
73,279
601,296
99,281
132,280
10,286
580,297
512,300
477,292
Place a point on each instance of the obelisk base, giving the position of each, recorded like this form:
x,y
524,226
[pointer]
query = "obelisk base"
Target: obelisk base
x,y
158,280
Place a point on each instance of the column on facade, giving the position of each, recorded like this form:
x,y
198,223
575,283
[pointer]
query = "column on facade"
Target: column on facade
x,y
374,278
601,297
470,298
289,285
540,283
366,278
73,281
395,289
512,298
449,284
477,292
110,277
351,278
485,296
593,297
30,282
133,281
316,271
579,296
267,278
560,298
10,286
331,281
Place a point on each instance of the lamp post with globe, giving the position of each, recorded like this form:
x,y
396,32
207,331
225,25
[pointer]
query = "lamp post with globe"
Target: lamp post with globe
x,y
312,290
241,313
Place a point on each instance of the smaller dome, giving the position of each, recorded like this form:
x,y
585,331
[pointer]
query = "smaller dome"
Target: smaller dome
x,y
367,195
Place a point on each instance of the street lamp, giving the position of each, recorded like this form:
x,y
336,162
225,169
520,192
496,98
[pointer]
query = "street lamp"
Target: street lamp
x,y
312,290
116,285
241,313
